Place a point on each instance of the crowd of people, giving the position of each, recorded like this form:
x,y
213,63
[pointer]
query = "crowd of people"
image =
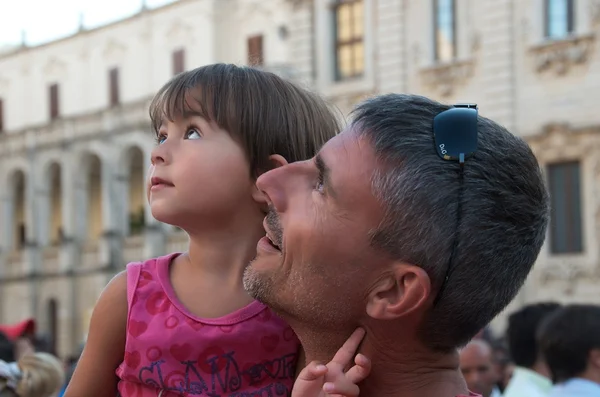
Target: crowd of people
x,y
548,350
24,370
323,260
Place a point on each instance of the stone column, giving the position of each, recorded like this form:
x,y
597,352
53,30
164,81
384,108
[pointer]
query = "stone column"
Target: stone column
x,y
111,248
73,195
6,239
7,222
33,254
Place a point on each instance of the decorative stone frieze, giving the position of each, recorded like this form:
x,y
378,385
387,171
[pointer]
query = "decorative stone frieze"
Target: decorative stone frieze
x,y
559,56
444,78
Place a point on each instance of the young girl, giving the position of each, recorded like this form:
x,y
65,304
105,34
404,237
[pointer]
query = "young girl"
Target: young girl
x,y
182,324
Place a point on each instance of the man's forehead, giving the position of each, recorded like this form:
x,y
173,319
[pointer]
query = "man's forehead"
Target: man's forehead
x,y
349,148
351,161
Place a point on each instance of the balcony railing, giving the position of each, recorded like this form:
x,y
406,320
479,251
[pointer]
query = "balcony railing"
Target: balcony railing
x,y
65,130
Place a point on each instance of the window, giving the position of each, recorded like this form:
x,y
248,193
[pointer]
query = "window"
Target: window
x,y
565,200
349,39
22,236
255,50
53,324
444,35
178,61
559,18
1,115
113,86
54,105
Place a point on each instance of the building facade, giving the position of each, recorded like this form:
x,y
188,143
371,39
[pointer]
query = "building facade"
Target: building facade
x,y
75,141
75,136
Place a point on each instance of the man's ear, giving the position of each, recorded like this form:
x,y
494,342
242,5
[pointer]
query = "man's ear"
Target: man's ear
x,y
401,291
275,161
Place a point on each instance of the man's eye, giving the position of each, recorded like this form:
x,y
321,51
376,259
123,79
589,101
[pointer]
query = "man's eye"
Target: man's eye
x,y
319,186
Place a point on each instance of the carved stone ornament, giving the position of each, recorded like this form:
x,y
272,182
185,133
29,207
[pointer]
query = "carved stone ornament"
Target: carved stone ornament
x,y
445,77
252,8
566,272
560,55
594,12
55,68
113,50
179,31
296,3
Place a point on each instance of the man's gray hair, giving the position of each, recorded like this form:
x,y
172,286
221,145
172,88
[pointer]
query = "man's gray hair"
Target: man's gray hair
x,y
504,212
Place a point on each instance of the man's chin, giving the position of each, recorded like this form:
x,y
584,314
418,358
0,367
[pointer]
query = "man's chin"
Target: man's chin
x,y
253,282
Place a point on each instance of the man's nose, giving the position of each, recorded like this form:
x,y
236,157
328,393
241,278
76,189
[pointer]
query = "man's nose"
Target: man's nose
x,y
279,183
270,183
473,379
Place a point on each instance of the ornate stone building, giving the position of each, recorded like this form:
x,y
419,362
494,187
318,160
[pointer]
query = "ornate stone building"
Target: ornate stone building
x,y
532,65
75,141
75,135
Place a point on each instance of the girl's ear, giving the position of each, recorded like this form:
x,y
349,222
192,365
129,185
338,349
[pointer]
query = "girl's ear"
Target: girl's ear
x,y
275,161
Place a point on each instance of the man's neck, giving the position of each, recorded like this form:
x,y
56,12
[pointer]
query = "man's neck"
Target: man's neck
x,y
541,368
591,374
398,369
401,367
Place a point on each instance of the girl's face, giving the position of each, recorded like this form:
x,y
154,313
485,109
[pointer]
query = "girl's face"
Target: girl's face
x,y
199,175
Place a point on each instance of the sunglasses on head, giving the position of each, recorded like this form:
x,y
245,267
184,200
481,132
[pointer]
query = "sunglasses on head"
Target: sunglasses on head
x,y
455,138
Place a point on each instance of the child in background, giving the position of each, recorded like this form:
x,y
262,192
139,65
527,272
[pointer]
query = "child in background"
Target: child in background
x,y
182,324
34,375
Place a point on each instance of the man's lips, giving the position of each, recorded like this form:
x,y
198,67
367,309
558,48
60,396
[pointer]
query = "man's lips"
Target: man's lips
x,y
270,237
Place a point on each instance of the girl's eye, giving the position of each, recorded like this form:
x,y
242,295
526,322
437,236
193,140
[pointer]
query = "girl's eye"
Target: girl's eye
x,y
160,138
192,133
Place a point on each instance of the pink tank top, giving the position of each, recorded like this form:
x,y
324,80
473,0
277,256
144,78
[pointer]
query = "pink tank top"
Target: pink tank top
x,y
170,352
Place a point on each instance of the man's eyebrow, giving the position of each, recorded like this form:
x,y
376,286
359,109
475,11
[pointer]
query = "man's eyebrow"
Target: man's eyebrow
x,y
325,174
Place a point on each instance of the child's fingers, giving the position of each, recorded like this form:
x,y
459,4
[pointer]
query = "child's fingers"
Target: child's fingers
x,y
348,349
343,388
360,371
313,371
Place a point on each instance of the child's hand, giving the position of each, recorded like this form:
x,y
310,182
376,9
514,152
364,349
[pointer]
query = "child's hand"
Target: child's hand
x,y
318,380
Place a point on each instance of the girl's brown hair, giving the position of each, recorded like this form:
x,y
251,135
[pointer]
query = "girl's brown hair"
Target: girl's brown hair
x,y
263,112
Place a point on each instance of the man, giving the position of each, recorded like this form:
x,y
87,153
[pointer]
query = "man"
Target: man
x,y
477,367
531,376
7,349
380,231
502,363
570,342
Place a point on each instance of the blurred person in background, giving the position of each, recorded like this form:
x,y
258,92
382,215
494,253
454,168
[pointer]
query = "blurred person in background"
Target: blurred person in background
x,y
478,369
531,376
7,349
485,334
34,375
22,336
570,342
502,363
70,365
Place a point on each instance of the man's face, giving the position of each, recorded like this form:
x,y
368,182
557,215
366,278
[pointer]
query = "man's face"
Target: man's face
x,y
322,210
477,366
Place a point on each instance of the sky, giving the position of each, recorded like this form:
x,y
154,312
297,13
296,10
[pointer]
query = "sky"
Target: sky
x,y
47,20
